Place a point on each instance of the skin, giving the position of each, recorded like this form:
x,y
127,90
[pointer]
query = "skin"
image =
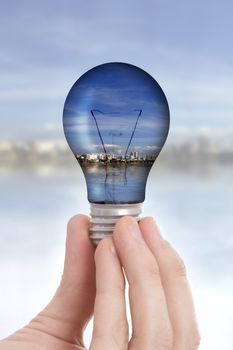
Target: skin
x,y
93,282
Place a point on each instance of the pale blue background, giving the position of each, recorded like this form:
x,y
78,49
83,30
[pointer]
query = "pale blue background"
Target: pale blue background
x,y
187,47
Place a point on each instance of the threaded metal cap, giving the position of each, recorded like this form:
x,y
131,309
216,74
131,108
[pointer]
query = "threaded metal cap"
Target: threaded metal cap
x,y
105,216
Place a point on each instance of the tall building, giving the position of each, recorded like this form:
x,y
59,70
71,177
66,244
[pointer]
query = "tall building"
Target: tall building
x,y
135,155
91,157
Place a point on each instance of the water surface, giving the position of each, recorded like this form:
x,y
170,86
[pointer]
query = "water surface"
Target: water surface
x,y
192,206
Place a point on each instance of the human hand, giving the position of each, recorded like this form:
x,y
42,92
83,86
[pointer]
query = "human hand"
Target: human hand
x,y
160,300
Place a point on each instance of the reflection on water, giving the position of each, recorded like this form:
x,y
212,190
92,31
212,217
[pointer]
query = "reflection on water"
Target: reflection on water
x,y
116,183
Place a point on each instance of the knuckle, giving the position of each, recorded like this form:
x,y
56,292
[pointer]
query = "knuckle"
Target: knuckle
x,y
110,291
166,337
196,339
152,280
149,274
152,271
162,337
190,340
179,268
147,278
176,262
121,337
116,338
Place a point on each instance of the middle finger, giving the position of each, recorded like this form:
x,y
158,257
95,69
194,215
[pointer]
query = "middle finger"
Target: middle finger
x,y
150,320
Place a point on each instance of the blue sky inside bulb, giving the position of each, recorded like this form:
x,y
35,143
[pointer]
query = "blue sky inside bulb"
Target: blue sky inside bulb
x,y
116,121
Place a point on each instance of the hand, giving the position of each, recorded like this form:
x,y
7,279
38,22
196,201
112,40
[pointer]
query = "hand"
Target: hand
x,y
160,299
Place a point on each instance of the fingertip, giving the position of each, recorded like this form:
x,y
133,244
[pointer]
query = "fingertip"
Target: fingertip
x,y
79,248
78,220
125,222
123,226
78,230
147,219
149,226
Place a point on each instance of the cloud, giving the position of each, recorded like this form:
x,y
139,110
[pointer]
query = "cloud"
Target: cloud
x,y
108,145
52,126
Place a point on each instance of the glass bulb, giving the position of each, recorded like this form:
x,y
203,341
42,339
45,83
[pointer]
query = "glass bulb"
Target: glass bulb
x,y
116,121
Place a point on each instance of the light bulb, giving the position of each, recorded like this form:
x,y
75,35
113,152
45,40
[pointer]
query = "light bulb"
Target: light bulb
x,y
116,121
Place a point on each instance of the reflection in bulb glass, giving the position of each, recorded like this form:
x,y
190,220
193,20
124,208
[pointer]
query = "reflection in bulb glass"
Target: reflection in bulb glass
x,y
116,121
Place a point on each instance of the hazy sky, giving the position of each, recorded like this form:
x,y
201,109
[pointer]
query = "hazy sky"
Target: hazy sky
x,y
47,45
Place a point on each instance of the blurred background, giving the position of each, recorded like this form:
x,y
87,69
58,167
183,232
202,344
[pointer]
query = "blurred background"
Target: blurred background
x,y
187,47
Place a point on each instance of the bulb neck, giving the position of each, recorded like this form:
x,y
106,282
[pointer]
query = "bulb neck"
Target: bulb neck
x,y
105,216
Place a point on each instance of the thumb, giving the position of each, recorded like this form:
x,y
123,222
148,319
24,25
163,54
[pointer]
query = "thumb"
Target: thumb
x,y
68,313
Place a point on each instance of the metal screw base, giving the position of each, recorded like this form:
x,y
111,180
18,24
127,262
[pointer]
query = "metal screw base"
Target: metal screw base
x,y
105,216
